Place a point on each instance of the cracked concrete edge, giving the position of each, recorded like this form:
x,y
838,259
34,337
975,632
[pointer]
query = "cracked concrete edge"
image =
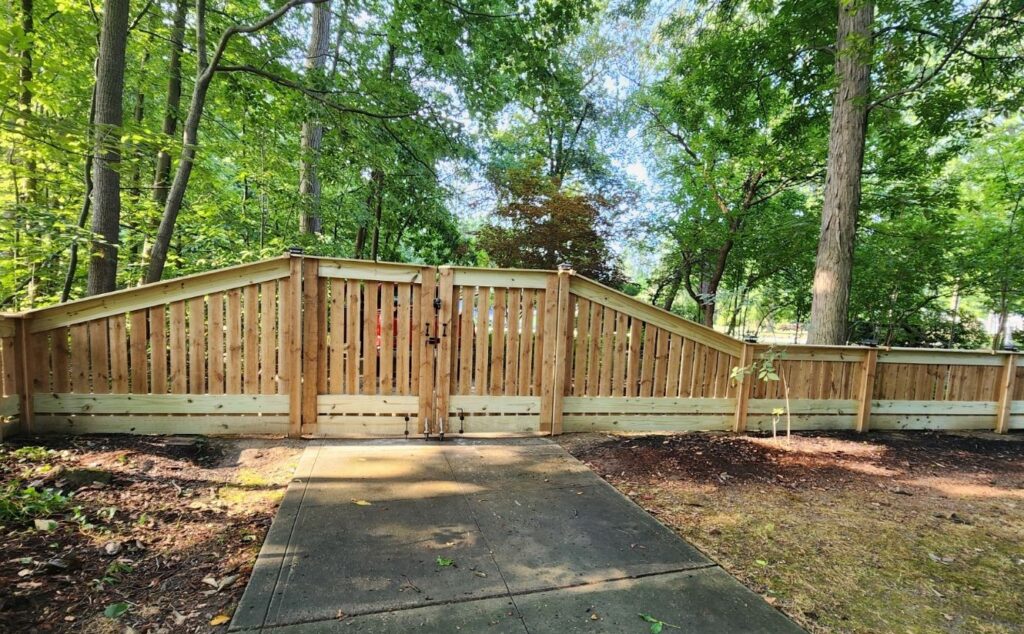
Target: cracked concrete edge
x,y
252,612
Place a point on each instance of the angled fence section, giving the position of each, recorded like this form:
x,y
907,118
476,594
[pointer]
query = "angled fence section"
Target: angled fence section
x,y
631,366
207,353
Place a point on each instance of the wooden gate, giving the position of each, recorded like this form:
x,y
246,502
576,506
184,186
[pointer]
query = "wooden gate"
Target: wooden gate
x,y
402,350
369,355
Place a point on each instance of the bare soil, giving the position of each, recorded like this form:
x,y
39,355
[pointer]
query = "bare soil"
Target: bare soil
x,y
893,532
165,529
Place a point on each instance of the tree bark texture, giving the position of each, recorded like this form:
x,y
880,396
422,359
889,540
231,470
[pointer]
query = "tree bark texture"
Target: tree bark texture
x,y
106,218
834,264
312,130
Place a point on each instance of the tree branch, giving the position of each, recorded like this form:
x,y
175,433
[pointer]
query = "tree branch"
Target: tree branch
x,y
927,76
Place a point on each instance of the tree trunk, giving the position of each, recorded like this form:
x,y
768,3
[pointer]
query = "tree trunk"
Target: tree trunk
x,y
106,218
834,265
205,70
999,339
25,98
170,128
162,172
360,245
312,130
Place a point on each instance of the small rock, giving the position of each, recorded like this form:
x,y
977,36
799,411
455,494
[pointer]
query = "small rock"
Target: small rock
x,y
112,548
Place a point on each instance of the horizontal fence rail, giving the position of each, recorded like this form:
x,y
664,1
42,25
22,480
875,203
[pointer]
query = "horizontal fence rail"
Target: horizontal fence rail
x,y
324,347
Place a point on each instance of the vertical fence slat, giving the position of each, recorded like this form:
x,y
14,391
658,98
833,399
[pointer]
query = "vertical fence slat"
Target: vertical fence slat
x,y
483,301
336,337
179,350
466,339
80,358
371,291
526,343
196,345
268,337
403,344
512,359
215,343
387,337
251,339
139,359
415,336
497,379
618,387
594,349
60,353
321,328
233,325
661,362
99,352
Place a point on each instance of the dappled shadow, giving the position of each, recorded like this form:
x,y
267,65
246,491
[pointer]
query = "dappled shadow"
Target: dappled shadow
x,y
821,459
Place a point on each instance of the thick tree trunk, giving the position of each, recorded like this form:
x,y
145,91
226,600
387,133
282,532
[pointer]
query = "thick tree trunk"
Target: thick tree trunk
x,y
106,218
312,130
834,265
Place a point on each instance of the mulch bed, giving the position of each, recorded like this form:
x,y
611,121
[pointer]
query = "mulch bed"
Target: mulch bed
x,y
845,533
145,533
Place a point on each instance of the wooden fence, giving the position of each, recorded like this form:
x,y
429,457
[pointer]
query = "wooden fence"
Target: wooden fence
x,y
327,347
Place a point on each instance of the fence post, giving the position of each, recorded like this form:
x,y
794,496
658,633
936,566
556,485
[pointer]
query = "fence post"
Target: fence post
x,y
1007,385
547,379
865,390
739,424
561,333
23,374
428,286
291,328
308,367
446,332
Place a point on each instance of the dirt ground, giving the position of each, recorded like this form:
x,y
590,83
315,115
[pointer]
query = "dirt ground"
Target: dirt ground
x,y
895,532
148,534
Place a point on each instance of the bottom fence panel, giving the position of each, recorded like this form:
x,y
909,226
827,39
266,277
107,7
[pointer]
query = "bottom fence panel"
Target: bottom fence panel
x,y
646,423
356,426
156,424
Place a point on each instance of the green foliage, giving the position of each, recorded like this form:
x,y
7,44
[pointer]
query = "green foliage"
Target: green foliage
x,y
19,503
405,97
32,454
115,610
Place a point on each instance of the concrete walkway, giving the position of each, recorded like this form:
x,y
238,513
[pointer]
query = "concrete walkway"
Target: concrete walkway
x,y
536,543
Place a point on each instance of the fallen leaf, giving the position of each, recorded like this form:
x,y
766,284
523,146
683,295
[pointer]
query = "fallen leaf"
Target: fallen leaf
x,y
45,525
362,502
115,610
220,619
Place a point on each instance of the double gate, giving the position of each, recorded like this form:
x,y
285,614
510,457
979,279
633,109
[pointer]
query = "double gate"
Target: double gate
x,y
402,350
